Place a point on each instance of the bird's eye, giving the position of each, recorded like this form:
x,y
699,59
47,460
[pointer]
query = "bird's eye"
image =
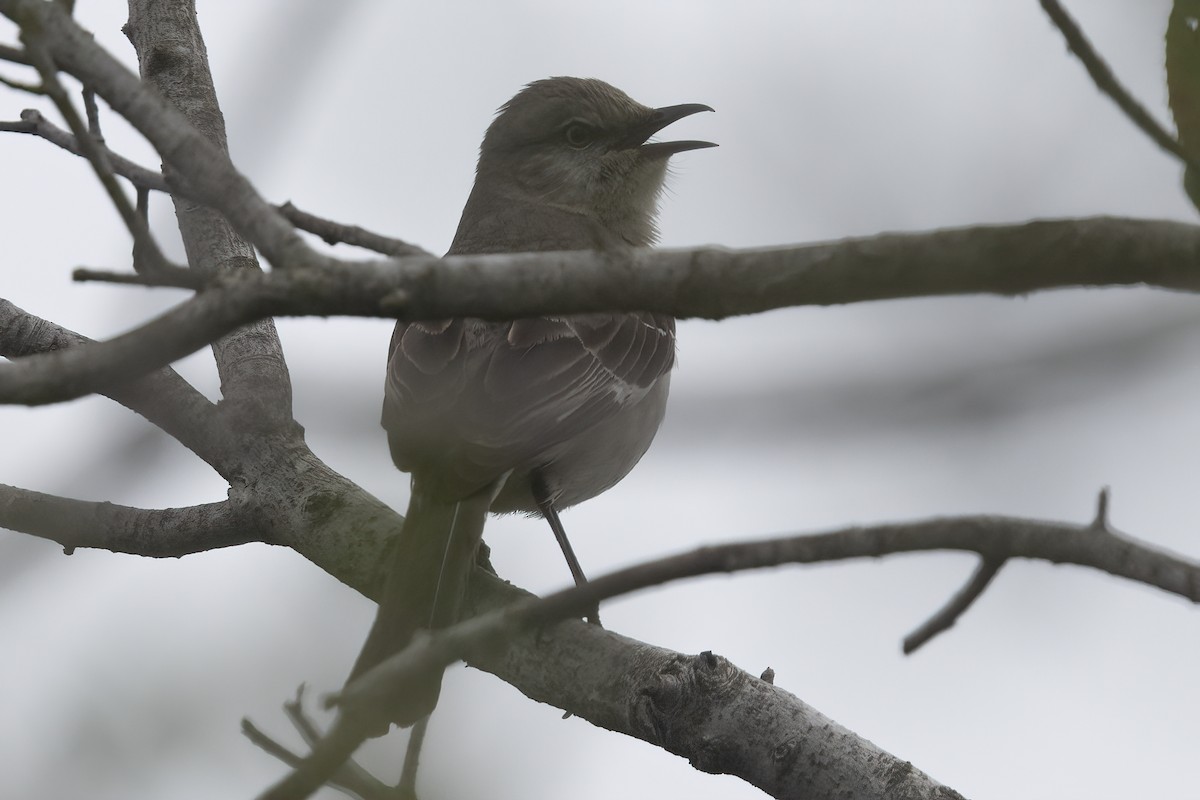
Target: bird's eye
x,y
578,135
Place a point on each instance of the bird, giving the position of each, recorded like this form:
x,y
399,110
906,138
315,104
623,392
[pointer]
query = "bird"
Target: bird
x,y
531,415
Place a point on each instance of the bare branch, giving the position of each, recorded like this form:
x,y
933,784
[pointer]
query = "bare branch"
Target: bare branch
x,y
712,283
269,745
337,233
352,776
93,118
1100,522
34,123
95,153
203,165
995,538
407,787
945,618
486,641
352,779
1107,83
20,86
255,384
162,397
13,54
169,276
158,533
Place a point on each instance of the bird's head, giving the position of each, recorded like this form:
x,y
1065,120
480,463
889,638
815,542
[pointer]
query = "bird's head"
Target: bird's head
x,y
581,145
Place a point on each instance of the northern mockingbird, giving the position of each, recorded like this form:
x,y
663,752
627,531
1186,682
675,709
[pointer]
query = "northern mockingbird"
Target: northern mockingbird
x,y
532,415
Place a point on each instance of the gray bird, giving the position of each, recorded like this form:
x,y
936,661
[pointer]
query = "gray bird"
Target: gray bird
x,y
533,415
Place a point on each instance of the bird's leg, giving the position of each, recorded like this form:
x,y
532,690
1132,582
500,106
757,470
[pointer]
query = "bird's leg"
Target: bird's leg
x,y
541,495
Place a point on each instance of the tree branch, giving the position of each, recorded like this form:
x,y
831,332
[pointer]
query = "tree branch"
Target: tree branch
x,y
204,165
352,778
1102,75
945,618
162,397
14,54
96,155
633,688
995,538
32,122
158,533
255,384
338,233
711,282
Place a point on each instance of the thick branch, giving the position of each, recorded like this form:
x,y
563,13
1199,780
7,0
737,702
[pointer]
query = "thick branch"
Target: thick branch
x,y
254,377
711,283
159,533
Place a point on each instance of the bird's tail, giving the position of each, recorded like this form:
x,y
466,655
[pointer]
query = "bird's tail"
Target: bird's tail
x,y
431,562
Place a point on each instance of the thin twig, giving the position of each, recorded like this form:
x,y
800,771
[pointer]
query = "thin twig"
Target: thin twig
x,y
337,233
352,776
171,276
93,116
266,743
406,789
1100,522
945,618
21,86
319,766
97,155
34,123
343,780
1102,75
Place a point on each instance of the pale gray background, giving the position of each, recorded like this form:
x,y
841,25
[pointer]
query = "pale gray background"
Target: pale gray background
x,y
126,677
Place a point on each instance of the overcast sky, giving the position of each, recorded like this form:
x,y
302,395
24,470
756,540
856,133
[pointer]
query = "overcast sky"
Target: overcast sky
x,y
127,677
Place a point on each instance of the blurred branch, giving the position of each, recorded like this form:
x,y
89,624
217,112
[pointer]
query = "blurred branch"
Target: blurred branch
x,y
706,282
158,533
351,779
14,54
1102,75
945,618
162,397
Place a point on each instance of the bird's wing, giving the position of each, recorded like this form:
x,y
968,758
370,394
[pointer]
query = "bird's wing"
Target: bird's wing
x,y
467,400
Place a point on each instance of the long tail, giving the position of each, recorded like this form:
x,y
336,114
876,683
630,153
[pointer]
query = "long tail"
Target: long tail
x,y
426,581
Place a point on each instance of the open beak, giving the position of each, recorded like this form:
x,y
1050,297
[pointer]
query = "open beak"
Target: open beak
x,y
661,118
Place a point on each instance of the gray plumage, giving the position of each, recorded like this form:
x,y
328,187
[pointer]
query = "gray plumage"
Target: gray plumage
x,y
533,414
